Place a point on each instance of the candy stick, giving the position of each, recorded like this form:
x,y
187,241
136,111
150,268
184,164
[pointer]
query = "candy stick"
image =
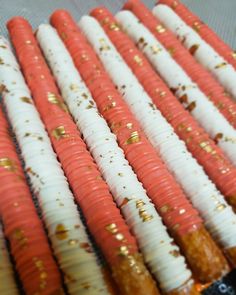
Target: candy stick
x,y
204,53
23,227
203,148
203,30
164,192
65,229
128,192
90,190
206,82
7,282
195,182
184,88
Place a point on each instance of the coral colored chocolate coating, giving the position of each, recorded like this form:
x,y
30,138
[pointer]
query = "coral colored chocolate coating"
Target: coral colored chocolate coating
x,y
22,223
54,115
183,123
201,76
203,30
174,198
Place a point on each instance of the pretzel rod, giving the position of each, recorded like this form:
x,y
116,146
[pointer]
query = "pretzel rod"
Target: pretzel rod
x,y
91,192
195,182
183,87
203,30
7,282
208,154
206,82
203,52
22,226
128,192
67,234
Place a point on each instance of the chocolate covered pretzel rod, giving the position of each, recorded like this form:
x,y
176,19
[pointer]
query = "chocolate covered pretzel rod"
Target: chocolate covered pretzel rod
x,y
128,192
203,52
91,192
203,30
209,155
184,88
67,234
29,247
206,82
163,138
162,189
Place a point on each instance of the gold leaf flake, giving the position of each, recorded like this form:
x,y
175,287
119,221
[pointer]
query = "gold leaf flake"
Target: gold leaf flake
x,y
61,232
165,208
139,203
155,49
220,207
194,48
119,237
221,65
134,138
160,29
112,228
8,164
114,27
191,106
138,60
26,99
196,26
123,251
59,132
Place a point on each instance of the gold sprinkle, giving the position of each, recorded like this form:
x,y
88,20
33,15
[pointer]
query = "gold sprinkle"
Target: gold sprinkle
x,y
3,46
86,247
129,125
7,164
233,54
165,208
196,26
105,21
191,106
174,5
160,29
218,137
183,98
182,211
43,275
112,228
85,96
73,242
171,51
1,61
220,207
119,237
138,60
104,46
155,49
194,48
26,99
114,27
222,65
189,129
144,215
175,253
123,251
61,232
74,87
162,94
120,174
140,203
59,132
176,226
109,106
134,138
52,98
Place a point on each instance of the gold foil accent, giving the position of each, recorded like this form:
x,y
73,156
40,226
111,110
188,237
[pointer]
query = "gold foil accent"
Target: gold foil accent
x,y
184,98
222,65
233,54
112,228
218,137
129,125
160,29
138,60
165,208
123,251
144,215
134,138
1,61
114,27
191,106
155,49
26,99
74,87
59,132
194,48
196,26
120,174
61,232
220,207
162,94
73,242
28,42
104,45
140,203
171,51
52,98
109,106
119,237
7,164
